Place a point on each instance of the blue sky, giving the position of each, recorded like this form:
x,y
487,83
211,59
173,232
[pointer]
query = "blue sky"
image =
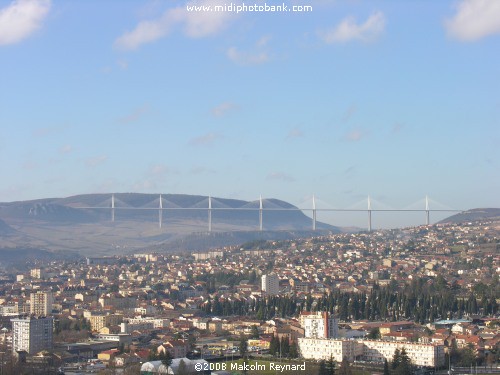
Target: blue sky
x,y
392,99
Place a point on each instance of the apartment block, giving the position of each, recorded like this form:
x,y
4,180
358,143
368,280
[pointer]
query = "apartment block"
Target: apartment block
x,y
32,334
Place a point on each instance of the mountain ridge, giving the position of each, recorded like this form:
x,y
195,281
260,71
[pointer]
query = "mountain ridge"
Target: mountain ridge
x,y
83,223
474,214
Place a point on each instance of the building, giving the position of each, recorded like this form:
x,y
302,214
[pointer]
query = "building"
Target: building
x,y
429,355
37,273
176,348
32,334
270,284
321,325
321,348
101,320
41,303
208,255
116,301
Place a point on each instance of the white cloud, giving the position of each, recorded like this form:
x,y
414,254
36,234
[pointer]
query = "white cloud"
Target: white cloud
x,y
475,19
155,178
280,176
123,64
194,24
206,139
397,127
247,58
49,131
145,32
295,133
257,56
201,24
223,109
355,135
198,170
96,161
349,30
351,111
30,165
262,42
21,18
145,185
66,149
161,170
135,115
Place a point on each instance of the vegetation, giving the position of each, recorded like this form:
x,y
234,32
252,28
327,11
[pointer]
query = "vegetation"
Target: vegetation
x,y
418,301
345,367
401,363
243,346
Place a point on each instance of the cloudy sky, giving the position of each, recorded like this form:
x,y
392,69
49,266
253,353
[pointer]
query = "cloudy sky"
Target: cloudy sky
x,y
392,99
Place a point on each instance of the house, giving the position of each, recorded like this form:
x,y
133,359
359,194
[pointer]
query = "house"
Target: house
x,y
108,355
176,348
125,359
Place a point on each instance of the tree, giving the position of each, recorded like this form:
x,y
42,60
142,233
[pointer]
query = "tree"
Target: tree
x,y
285,347
386,367
322,370
166,358
255,332
466,357
294,351
274,346
330,366
396,359
253,277
374,334
114,288
182,369
345,367
191,341
243,346
153,354
404,366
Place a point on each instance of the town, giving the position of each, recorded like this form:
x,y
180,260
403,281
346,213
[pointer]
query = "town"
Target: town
x,y
428,294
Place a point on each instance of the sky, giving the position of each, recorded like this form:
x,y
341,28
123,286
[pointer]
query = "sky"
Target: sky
x,y
392,99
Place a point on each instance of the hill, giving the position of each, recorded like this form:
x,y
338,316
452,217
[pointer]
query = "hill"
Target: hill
x,y
473,215
5,229
83,223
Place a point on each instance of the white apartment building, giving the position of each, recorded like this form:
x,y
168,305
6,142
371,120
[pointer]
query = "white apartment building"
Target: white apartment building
x,y
41,303
320,348
32,334
430,355
37,273
158,323
321,325
143,324
270,284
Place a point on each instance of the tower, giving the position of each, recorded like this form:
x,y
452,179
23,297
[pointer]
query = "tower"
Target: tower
x,y
32,334
270,284
41,303
160,213
112,208
427,221
314,213
209,214
260,214
369,214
